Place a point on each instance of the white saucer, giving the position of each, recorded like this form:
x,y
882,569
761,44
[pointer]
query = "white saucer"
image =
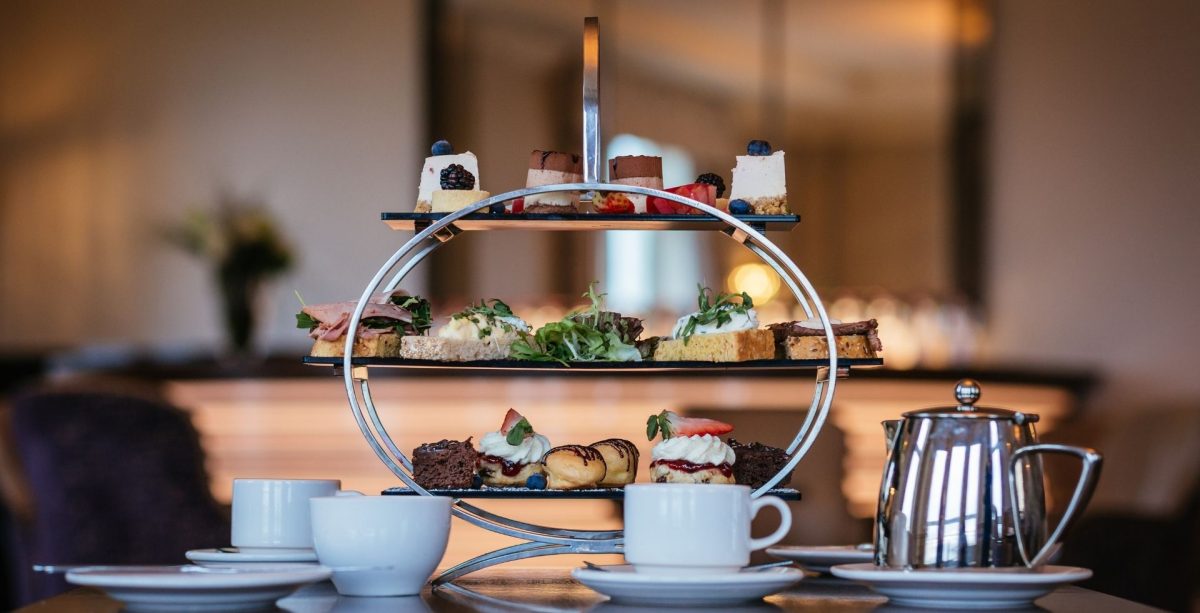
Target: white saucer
x,y
962,588
224,558
820,558
196,588
624,585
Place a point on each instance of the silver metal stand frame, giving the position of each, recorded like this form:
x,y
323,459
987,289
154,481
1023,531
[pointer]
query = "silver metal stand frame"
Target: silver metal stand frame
x,y
544,540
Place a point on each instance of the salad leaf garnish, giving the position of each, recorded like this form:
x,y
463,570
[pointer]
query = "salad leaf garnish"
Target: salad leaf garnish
x,y
304,320
491,316
518,432
422,313
589,335
719,310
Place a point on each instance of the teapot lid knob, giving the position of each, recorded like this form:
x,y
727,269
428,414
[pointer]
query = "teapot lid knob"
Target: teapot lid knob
x,y
967,392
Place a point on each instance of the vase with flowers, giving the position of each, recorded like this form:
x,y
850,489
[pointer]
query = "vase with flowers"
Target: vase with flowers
x,y
241,242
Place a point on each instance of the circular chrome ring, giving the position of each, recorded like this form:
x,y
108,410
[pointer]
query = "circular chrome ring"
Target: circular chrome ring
x,y
427,241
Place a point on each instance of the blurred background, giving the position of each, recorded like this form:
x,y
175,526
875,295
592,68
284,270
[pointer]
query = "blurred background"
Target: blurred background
x,y
1010,188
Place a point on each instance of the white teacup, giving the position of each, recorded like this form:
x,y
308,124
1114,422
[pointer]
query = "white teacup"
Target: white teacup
x,y
673,528
380,545
271,515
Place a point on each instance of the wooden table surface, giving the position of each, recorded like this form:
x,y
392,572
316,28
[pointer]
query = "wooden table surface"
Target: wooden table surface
x,y
554,591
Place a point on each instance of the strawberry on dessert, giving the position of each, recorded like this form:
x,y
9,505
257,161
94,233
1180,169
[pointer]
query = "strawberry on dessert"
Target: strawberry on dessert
x,y
509,456
690,451
701,192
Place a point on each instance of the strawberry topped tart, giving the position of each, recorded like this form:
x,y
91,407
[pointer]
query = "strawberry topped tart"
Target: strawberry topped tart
x,y
510,456
690,450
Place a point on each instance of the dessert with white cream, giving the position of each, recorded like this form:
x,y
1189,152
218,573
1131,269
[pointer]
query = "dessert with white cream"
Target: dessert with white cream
x,y
431,175
508,458
551,168
690,450
760,180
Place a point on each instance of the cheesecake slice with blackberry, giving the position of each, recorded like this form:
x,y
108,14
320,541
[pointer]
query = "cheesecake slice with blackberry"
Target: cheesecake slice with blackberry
x,y
442,156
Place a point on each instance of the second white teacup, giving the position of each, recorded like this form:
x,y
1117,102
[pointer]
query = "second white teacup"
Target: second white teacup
x,y
380,545
673,528
272,515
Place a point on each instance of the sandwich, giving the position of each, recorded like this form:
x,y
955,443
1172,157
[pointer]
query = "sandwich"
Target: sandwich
x,y
386,318
805,340
480,332
724,329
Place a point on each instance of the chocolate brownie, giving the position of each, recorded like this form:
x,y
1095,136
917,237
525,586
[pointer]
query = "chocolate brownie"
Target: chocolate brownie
x,y
445,464
756,463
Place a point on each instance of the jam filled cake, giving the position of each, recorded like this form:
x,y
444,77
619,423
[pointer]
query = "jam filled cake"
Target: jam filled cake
x,y
690,450
508,457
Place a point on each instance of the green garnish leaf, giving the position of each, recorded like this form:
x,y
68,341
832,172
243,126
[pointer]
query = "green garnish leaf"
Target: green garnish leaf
x,y
304,320
518,432
419,309
719,310
651,427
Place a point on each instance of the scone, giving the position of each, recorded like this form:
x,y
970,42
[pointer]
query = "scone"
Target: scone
x,y
690,451
510,456
801,340
571,467
620,461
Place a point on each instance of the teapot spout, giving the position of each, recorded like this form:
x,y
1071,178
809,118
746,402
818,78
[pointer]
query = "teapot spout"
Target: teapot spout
x,y
891,432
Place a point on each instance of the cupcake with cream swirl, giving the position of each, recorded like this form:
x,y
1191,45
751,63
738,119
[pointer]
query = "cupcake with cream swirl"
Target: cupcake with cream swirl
x,y
510,456
690,450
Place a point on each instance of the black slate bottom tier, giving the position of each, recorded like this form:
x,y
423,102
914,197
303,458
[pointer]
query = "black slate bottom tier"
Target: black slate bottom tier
x,y
518,493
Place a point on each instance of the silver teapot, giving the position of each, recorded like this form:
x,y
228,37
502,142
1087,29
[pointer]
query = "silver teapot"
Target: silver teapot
x,y
962,487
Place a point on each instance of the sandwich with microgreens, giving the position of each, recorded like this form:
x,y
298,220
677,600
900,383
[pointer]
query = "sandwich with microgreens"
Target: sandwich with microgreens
x,y
723,329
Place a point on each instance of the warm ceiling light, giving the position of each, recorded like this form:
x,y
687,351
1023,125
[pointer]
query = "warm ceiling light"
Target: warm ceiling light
x,y
758,280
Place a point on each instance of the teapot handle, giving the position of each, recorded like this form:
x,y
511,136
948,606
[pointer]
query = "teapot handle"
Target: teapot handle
x,y
1090,473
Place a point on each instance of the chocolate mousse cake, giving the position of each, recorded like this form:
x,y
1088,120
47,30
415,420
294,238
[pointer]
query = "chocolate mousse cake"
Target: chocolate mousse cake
x,y
805,340
445,464
757,463
639,171
549,168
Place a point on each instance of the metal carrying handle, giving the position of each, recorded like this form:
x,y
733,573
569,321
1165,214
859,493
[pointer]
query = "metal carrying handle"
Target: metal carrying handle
x,y
1088,476
591,100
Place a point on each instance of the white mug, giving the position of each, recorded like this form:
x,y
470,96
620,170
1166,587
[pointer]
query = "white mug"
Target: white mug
x,y
380,545
272,514
673,528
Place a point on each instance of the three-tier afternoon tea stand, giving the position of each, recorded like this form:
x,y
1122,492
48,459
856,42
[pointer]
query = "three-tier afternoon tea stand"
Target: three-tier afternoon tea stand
x,y
435,229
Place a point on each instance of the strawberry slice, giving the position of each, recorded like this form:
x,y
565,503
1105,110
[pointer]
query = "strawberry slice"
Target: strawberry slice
x,y
615,202
701,192
518,206
510,419
671,424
